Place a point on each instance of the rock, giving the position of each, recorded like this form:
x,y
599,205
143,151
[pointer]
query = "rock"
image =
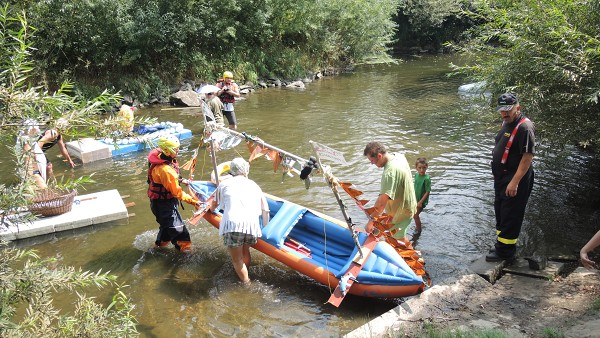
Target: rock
x,y
187,98
537,262
128,100
186,86
517,305
589,329
296,84
473,88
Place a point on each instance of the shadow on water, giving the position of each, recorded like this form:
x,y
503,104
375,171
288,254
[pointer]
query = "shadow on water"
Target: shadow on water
x,y
413,108
564,210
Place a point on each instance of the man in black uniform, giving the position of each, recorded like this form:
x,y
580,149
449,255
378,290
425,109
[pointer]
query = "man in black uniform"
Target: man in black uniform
x,y
513,176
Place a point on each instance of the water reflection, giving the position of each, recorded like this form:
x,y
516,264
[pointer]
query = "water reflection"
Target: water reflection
x,y
412,107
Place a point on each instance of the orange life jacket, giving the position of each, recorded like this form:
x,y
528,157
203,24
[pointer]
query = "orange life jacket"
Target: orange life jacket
x,y
157,191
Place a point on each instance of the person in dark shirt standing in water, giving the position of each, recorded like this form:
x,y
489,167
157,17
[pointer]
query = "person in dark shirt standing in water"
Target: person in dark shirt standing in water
x,y
229,90
513,176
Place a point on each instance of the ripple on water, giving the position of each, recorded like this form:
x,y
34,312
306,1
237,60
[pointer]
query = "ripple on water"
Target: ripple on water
x,y
413,108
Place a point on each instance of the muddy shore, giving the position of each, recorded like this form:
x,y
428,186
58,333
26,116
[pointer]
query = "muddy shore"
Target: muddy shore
x,y
518,303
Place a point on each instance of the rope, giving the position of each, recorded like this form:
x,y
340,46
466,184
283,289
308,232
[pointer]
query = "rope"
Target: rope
x,y
325,251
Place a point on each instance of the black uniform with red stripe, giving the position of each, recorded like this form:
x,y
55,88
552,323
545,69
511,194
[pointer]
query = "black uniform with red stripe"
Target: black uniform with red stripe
x,y
511,210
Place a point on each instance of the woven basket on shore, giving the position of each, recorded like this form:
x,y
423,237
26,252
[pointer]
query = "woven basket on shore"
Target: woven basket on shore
x,y
49,202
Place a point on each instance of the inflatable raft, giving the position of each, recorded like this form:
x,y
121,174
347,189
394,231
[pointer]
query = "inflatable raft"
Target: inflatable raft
x,y
143,138
324,249
146,137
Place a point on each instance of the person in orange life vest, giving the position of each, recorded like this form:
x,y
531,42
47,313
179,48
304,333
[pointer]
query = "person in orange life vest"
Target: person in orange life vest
x,y
227,94
165,193
48,139
512,168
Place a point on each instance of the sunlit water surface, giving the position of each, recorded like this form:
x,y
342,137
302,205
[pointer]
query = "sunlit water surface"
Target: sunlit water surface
x,y
414,108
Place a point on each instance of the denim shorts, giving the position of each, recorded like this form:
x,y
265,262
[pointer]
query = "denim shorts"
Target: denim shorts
x,y
235,239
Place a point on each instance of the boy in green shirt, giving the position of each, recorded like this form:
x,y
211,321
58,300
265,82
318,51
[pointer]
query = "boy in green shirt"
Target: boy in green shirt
x,y
422,190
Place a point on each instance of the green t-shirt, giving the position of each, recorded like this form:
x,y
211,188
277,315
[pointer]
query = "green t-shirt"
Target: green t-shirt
x,y
422,185
397,183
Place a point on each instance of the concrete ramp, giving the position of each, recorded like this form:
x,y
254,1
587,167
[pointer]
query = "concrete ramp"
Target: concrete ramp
x,y
90,209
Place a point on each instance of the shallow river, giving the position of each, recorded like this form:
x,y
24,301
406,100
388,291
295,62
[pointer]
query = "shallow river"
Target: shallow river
x,y
414,108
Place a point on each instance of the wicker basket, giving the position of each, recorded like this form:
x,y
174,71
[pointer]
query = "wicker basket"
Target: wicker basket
x,y
49,202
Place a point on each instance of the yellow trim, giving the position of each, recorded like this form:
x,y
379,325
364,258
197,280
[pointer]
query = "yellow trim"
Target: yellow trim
x,y
507,241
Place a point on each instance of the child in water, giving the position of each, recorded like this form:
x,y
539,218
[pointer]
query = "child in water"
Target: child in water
x,y
422,190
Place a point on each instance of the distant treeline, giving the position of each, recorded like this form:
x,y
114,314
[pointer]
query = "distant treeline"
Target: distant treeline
x,y
547,51
141,46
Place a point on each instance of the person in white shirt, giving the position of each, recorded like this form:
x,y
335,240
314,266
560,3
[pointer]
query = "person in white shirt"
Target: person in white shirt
x,y
242,202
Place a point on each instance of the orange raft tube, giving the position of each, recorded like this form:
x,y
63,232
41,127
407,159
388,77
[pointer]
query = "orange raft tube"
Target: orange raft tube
x,y
322,248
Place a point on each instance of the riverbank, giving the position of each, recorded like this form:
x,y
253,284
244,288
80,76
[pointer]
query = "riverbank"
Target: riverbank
x,y
516,305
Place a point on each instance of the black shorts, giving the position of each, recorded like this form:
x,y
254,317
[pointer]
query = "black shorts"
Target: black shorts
x,y
230,115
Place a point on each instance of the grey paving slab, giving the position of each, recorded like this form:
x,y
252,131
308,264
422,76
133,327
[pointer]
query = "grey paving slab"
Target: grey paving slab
x,y
95,208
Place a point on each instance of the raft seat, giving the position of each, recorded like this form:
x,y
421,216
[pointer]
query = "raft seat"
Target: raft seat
x,y
327,252
286,217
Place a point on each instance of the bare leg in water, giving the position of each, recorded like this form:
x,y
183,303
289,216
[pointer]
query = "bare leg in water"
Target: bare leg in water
x,y
240,257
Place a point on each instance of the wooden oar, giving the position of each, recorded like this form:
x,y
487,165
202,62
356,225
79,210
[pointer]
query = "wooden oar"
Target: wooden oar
x,y
351,275
179,108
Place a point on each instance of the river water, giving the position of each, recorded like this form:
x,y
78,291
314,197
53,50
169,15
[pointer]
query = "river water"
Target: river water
x,y
411,106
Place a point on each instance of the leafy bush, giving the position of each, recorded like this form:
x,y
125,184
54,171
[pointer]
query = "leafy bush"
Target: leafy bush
x,y
546,51
100,41
30,282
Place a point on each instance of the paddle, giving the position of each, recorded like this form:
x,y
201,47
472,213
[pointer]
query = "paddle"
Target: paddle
x,y
348,279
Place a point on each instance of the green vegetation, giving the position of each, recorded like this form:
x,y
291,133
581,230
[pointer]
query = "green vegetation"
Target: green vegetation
x,y
596,305
21,103
142,47
28,284
546,51
432,331
429,24
551,332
